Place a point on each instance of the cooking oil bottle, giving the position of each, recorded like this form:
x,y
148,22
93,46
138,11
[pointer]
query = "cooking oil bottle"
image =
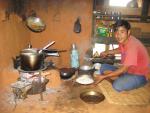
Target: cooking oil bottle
x,y
74,57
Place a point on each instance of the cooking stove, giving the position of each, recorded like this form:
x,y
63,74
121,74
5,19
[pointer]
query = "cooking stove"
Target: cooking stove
x,y
30,82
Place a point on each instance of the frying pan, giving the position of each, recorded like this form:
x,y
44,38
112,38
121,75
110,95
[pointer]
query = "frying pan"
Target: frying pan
x,y
35,24
92,96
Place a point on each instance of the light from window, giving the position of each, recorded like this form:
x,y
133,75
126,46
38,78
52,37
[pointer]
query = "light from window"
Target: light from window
x,y
120,3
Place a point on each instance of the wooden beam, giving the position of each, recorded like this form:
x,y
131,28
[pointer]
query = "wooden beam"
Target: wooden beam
x,y
145,8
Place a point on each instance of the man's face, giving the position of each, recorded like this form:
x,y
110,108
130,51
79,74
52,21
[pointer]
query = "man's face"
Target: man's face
x,y
122,34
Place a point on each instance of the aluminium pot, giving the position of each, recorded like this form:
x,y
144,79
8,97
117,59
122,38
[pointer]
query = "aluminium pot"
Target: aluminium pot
x,y
86,69
31,59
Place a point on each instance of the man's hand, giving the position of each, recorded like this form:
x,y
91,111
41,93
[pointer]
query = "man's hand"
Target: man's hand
x,y
104,54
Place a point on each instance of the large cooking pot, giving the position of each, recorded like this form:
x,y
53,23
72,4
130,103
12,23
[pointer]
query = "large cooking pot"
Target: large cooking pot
x,y
31,59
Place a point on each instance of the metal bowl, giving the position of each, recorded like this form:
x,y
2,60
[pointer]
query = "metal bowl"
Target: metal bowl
x,y
35,24
66,73
86,67
92,96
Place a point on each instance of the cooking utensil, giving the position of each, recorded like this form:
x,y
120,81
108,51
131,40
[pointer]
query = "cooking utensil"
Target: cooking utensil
x,y
16,62
86,69
92,96
47,46
53,50
31,59
35,24
66,73
103,60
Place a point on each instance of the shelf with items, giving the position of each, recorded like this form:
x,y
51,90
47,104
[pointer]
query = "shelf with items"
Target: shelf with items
x,y
103,34
110,16
103,24
138,14
103,27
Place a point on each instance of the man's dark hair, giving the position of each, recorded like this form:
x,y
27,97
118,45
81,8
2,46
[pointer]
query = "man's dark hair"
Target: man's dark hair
x,y
119,23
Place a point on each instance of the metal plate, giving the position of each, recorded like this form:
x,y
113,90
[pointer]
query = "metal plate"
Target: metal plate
x,y
92,97
35,24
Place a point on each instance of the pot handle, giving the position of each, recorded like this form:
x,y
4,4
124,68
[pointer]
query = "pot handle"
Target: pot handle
x,y
56,54
16,62
48,45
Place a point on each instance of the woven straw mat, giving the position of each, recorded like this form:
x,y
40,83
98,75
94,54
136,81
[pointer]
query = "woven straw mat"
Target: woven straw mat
x,y
140,96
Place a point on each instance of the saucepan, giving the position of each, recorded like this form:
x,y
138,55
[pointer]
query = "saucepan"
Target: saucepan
x,y
32,59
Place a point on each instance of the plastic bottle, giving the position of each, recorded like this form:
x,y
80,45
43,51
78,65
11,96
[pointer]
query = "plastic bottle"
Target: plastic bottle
x,y
74,57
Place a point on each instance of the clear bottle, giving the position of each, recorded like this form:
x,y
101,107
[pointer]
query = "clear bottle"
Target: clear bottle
x,y
74,57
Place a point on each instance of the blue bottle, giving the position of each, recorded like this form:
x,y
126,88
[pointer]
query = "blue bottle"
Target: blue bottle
x,y
74,57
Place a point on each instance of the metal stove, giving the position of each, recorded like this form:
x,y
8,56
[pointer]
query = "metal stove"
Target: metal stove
x,y
29,83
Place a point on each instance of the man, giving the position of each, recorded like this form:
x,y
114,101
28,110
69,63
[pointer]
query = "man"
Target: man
x,y
134,59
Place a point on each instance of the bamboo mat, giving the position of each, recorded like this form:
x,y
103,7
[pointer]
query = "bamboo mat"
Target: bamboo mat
x,y
140,96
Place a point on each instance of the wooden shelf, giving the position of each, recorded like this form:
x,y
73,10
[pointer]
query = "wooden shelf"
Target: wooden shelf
x,y
112,40
131,18
129,14
104,40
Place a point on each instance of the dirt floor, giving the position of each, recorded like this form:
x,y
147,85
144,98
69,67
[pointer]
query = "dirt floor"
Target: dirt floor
x,y
64,99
